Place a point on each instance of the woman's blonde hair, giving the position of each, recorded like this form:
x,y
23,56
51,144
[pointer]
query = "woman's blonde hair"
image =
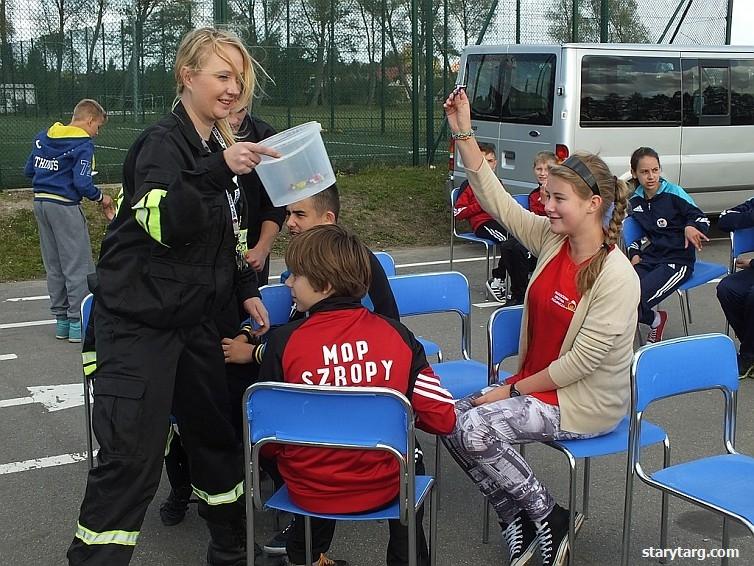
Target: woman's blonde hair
x,y
614,193
192,53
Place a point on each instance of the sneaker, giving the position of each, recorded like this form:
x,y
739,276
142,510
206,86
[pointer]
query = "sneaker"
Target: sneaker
x,y
655,334
74,331
62,328
552,532
276,545
496,287
521,538
173,509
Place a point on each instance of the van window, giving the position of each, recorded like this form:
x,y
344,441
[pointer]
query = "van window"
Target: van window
x,y
706,93
630,91
518,88
742,92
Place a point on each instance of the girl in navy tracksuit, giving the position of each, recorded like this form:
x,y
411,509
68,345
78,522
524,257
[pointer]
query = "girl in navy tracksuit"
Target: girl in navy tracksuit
x,y
673,229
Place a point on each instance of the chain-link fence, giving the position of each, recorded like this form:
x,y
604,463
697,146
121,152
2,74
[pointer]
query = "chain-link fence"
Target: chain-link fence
x,y
373,72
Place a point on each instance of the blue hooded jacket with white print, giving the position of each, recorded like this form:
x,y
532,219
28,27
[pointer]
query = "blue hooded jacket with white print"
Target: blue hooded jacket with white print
x,y
663,219
60,165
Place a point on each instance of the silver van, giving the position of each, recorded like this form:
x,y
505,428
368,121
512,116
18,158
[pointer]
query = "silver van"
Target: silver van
x,y
694,105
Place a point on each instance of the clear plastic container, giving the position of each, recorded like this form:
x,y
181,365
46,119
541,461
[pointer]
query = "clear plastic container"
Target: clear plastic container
x,y
304,168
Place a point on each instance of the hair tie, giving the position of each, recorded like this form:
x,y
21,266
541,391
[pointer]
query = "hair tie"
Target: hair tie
x,y
605,246
575,164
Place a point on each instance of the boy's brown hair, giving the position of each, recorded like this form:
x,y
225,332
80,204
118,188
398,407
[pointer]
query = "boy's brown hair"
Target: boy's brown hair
x,y
486,148
330,254
545,157
89,108
327,200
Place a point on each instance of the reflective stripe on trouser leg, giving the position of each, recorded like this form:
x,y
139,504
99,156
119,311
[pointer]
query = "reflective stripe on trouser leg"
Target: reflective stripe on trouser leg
x,y
126,538
220,498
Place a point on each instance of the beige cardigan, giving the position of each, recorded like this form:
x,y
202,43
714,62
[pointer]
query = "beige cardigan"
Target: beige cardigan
x,y
592,372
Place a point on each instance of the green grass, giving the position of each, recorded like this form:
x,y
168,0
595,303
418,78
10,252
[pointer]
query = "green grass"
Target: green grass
x,y
359,138
388,207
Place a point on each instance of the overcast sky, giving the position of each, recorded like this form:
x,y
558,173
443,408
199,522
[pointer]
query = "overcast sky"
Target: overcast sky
x,y
743,22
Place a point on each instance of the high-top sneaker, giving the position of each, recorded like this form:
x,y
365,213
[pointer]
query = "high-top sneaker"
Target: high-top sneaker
x,y
173,509
552,532
521,537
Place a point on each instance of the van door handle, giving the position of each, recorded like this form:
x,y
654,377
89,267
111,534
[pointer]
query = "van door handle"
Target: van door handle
x,y
534,133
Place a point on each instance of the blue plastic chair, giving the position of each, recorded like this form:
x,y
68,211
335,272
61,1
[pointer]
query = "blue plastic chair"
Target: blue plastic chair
x,y
704,272
375,418
741,242
387,262
278,301
86,311
490,246
444,292
720,483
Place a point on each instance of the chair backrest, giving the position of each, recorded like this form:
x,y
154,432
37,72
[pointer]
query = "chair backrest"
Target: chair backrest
x,y
523,200
431,293
368,418
453,198
632,231
387,262
741,242
86,311
503,331
683,365
278,302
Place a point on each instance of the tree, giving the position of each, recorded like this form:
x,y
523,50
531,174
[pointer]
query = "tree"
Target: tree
x,y
470,15
624,24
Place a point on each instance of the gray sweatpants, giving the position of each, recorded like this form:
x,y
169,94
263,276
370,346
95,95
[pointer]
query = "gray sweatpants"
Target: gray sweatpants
x,y
482,444
67,255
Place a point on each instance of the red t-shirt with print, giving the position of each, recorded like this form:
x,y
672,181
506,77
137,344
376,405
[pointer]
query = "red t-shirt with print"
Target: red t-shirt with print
x,y
553,297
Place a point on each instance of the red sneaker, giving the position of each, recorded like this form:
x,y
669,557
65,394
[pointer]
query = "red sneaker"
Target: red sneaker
x,y
655,334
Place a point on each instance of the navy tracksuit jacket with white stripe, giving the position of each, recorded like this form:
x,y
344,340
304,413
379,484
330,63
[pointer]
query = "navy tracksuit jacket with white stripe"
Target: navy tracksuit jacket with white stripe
x,y
666,261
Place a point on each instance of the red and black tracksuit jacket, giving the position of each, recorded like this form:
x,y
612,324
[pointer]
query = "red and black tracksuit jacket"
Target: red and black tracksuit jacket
x,y
342,344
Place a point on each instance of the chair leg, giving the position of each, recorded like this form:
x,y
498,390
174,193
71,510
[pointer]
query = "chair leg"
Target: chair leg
x,y
665,501
688,307
726,541
412,534
627,509
683,314
88,418
486,522
308,539
585,494
489,269
451,251
571,507
433,500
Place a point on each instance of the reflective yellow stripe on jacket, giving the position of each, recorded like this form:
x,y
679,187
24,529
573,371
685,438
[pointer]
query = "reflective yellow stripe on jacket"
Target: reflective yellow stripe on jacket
x,y
221,498
126,538
148,213
89,360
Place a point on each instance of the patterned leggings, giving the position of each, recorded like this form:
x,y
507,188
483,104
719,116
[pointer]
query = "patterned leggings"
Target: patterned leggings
x,y
482,444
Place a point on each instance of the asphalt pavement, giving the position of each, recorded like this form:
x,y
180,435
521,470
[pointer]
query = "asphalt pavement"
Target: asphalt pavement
x,y
43,466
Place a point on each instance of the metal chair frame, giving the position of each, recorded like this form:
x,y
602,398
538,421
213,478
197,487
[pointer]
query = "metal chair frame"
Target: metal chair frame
x,y
305,424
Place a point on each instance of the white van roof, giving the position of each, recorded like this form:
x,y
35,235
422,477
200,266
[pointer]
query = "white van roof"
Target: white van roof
x,y
513,47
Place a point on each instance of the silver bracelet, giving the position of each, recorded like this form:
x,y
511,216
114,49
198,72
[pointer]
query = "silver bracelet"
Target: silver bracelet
x,y
462,135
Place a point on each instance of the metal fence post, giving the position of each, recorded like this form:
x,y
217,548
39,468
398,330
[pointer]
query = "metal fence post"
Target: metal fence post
x,y
415,81
382,73
604,20
332,66
575,21
429,82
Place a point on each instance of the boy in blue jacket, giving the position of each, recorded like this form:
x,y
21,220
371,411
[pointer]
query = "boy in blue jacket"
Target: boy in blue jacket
x,y
736,291
60,167
673,227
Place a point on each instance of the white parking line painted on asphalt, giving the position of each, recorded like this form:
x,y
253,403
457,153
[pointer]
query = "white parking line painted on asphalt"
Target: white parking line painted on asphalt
x,y
24,324
487,304
37,298
47,462
4,357
422,263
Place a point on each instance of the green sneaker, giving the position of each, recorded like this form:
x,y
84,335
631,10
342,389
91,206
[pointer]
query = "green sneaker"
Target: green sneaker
x,y
62,329
74,331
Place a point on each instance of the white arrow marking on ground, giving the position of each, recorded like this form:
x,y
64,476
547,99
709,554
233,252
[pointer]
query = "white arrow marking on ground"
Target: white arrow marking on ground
x,y
52,397
46,462
37,298
4,357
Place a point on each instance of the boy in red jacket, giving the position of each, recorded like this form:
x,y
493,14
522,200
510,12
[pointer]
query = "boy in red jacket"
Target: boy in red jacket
x,y
515,260
341,343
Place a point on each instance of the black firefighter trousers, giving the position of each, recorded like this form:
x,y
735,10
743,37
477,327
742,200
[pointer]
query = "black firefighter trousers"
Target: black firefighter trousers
x,y
144,374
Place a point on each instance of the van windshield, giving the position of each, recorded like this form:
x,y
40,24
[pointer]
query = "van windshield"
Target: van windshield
x,y
516,88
